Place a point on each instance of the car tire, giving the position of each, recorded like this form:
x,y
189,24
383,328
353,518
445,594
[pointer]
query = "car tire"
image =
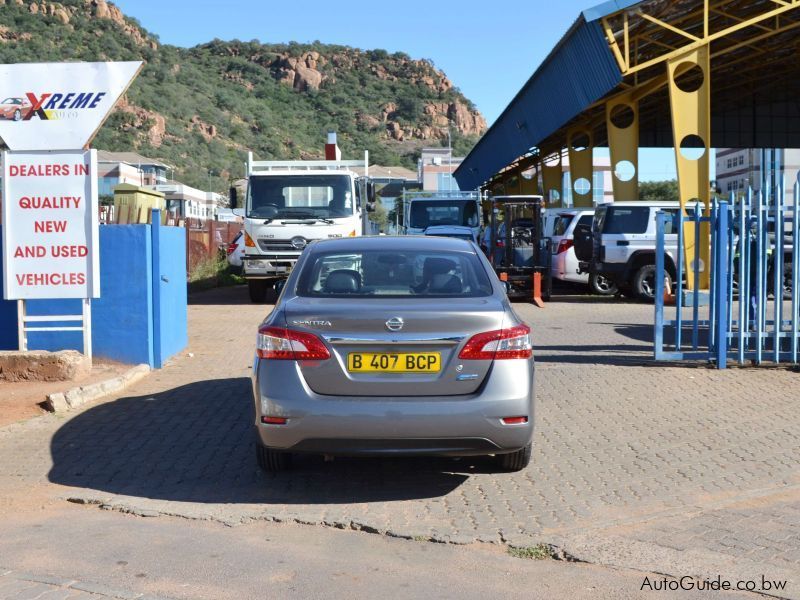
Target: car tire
x,y
602,285
644,283
515,461
258,290
271,461
17,115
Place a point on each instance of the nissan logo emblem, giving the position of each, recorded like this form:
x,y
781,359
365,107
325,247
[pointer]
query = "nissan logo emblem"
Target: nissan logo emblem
x,y
298,242
394,324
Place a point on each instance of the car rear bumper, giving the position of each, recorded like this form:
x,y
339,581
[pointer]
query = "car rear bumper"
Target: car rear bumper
x,y
366,425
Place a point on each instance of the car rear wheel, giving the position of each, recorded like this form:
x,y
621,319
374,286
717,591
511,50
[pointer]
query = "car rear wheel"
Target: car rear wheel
x,y
602,285
644,283
17,115
515,461
271,461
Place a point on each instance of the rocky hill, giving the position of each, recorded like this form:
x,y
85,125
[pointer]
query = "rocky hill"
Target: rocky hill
x,y
202,108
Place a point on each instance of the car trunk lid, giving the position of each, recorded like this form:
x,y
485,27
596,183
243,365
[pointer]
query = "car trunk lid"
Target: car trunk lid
x,y
361,327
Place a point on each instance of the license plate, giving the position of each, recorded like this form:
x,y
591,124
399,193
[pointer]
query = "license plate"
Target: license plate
x,y
366,362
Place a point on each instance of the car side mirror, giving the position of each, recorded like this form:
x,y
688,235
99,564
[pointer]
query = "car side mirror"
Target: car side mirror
x,y
239,212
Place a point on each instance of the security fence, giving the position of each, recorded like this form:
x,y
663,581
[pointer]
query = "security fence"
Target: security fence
x,y
749,314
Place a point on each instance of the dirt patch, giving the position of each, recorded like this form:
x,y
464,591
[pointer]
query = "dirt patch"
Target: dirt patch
x,y
21,400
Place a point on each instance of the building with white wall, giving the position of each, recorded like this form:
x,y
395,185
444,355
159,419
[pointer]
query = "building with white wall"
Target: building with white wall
x,y
740,168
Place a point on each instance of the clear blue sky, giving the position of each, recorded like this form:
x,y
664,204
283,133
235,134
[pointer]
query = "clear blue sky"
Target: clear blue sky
x,y
487,52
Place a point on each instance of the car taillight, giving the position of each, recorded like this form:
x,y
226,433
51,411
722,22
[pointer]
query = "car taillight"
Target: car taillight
x,y
498,345
352,233
248,241
563,246
232,247
279,343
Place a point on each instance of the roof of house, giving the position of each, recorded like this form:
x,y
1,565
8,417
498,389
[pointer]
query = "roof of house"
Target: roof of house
x,y
131,158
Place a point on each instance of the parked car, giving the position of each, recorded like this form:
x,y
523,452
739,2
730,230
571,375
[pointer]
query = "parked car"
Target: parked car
x,y
621,245
393,346
235,251
455,231
565,264
14,109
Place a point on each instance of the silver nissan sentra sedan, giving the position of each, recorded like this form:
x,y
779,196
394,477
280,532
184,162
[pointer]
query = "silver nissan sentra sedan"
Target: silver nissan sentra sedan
x,y
393,346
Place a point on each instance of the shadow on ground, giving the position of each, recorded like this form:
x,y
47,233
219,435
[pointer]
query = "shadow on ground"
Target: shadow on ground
x,y
194,443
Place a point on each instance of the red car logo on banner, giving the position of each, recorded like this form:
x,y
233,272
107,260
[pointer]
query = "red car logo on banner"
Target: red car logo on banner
x,y
14,109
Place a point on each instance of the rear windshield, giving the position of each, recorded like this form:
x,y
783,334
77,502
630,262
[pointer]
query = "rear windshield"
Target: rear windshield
x,y
383,273
626,219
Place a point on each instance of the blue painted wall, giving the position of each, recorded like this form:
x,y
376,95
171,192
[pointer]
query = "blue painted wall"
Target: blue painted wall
x,y
172,333
132,322
8,315
122,316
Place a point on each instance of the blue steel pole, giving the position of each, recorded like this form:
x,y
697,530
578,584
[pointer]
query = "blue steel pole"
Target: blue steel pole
x,y
679,285
731,250
759,276
744,289
777,275
795,269
697,270
722,297
658,332
712,324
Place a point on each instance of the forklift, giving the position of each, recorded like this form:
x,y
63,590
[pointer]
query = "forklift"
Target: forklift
x,y
518,250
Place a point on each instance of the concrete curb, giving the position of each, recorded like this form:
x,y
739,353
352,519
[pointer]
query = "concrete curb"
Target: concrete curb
x,y
78,396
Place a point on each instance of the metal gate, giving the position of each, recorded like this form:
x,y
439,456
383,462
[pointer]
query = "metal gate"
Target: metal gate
x,y
750,313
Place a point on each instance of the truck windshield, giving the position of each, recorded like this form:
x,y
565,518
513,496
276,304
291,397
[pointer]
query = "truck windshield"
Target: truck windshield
x,y
427,213
299,197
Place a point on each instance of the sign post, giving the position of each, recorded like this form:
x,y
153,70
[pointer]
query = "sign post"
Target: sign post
x,y
50,195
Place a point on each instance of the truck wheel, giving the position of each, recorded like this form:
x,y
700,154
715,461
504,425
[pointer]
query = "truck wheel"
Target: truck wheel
x,y
258,290
602,285
644,283
516,461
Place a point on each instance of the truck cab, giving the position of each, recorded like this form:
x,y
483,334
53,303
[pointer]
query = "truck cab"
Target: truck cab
x,y
423,210
290,204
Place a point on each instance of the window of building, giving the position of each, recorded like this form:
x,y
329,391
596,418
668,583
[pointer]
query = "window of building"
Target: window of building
x,y
730,163
741,159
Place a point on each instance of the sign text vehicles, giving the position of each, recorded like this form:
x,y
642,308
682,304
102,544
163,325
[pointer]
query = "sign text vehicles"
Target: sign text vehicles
x,y
59,106
50,244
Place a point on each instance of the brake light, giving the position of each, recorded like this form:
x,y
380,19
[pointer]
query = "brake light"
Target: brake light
x,y
248,241
564,245
499,345
279,343
231,247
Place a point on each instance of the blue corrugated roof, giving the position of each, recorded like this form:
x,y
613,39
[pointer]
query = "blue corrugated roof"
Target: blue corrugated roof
x,y
579,71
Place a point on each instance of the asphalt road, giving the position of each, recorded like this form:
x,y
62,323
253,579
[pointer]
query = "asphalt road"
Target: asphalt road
x,y
179,558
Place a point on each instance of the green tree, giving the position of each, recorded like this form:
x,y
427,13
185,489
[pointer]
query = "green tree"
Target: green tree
x,y
659,191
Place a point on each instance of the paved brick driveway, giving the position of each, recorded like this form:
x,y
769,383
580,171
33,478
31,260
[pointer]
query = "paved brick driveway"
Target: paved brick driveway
x,y
678,470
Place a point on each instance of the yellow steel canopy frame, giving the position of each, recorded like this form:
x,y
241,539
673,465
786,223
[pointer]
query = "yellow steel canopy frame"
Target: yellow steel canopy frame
x,y
672,45
685,45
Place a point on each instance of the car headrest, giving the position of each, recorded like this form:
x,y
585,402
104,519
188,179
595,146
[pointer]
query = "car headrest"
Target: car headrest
x,y
445,284
343,281
438,266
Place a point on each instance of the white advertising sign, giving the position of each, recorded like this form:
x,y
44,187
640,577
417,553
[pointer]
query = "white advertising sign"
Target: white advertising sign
x,y
50,225
59,106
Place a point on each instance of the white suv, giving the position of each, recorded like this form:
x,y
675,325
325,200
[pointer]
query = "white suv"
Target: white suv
x,y
564,265
622,245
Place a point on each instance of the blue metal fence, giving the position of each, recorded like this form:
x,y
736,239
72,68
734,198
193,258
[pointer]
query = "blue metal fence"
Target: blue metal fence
x,y
750,313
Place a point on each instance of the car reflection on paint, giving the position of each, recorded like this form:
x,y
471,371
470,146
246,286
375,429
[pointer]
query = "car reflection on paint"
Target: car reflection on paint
x,y
391,346
14,109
